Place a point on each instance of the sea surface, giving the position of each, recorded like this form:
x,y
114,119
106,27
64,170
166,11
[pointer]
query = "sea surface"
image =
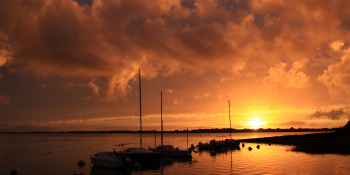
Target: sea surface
x,y
58,154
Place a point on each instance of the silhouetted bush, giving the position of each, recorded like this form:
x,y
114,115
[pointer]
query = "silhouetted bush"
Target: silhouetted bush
x,y
346,128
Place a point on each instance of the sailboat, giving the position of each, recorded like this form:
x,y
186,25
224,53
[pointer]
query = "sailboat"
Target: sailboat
x,y
169,150
139,154
230,142
213,144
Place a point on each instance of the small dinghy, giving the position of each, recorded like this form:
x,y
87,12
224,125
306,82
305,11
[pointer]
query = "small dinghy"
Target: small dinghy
x,y
212,145
109,160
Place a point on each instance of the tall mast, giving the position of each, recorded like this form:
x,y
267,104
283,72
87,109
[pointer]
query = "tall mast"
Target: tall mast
x,y
229,115
140,108
161,116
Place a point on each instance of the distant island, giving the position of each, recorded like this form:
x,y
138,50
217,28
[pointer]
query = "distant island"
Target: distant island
x,y
211,130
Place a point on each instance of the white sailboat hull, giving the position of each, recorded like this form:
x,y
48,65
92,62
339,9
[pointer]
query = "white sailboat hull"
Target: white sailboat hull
x,y
108,160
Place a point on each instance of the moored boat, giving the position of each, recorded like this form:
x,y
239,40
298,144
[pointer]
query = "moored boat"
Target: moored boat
x,y
170,151
211,145
109,160
231,143
139,154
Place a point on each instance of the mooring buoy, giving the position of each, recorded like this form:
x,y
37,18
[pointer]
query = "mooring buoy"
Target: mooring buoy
x,y
14,171
258,146
250,148
81,163
168,159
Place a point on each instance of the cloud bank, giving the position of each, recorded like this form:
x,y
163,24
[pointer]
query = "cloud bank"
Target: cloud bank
x,y
108,40
83,56
333,114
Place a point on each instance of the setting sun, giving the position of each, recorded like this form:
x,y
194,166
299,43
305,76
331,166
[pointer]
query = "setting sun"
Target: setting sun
x,y
255,123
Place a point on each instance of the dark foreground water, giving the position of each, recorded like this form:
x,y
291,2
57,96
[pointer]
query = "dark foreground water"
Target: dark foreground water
x,y
58,154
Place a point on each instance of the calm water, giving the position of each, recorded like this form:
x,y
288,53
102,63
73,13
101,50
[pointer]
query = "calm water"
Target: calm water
x,y
36,154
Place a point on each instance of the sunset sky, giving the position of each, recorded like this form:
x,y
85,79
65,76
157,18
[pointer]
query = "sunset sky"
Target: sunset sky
x,y
73,65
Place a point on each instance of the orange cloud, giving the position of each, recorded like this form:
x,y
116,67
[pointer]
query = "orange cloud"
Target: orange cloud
x,y
4,100
205,51
337,77
293,78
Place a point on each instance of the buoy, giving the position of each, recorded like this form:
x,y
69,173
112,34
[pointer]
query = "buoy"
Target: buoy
x,y
137,165
168,159
242,144
250,148
81,163
258,146
14,171
269,144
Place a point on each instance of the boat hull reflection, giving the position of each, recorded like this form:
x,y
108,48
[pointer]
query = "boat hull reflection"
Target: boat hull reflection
x,y
214,152
109,171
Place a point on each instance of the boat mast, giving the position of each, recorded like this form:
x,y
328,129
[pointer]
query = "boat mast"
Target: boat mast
x,y
229,115
140,108
161,117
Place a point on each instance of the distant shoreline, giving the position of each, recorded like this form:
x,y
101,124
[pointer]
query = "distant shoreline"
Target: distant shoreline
x,y
334,142
190,131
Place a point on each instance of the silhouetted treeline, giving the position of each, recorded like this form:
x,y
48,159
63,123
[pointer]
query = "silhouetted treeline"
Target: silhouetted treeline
x,y
211,130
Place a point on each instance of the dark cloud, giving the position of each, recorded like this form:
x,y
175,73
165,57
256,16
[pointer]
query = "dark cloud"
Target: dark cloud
x,y
235,5
333,114
188,4
109,40
81,2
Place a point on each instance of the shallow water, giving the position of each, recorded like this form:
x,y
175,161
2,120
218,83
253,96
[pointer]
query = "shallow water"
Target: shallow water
x,y
58,153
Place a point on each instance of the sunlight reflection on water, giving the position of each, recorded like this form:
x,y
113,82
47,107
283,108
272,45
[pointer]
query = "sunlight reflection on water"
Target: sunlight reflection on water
x,y
59,153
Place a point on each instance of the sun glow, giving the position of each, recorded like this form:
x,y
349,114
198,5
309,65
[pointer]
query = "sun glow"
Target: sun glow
x,y
255,123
